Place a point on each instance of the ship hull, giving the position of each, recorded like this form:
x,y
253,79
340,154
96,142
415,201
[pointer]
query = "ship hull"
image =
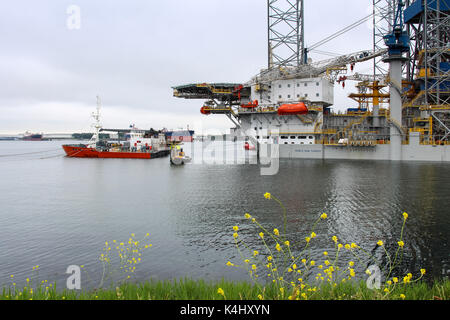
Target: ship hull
x,y
84,152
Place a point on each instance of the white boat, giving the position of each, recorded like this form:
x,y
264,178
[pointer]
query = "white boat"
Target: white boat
x,y
177,156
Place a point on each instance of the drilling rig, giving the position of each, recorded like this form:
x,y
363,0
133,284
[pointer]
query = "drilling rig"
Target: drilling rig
x,y
289,102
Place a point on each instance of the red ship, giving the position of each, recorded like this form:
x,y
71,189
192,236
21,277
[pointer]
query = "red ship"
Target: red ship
x,y
139,145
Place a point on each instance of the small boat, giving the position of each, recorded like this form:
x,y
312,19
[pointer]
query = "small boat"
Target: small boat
x,y
177,156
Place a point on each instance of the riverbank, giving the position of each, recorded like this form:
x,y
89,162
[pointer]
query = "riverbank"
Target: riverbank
x,y
187,289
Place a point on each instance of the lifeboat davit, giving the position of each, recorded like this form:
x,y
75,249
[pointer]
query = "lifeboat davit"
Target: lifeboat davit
x,y
292,109
205,111
250,105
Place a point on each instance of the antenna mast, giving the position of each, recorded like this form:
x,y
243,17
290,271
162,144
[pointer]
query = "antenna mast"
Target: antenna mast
x,y
96,116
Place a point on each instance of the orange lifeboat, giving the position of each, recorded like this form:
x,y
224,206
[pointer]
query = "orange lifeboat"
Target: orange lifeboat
x,y
250,105
292,109
205,111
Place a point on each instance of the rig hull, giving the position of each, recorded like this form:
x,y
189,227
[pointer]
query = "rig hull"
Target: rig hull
x,y
418,153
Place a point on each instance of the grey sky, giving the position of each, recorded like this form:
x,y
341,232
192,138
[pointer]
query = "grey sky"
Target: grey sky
x,y
131,53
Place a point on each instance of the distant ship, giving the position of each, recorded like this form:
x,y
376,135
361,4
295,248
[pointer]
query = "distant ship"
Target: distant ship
x,y
180,136
32,136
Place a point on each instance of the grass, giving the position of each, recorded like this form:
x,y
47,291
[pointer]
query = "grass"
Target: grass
x,y
187,289
275,260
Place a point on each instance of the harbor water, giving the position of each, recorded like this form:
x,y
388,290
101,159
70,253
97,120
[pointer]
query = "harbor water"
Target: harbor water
x,y
57,211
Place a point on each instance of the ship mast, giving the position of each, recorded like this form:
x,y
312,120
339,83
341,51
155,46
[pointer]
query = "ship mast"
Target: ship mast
x,y
96,116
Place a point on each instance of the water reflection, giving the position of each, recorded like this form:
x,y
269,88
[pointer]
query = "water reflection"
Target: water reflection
x,y
56,212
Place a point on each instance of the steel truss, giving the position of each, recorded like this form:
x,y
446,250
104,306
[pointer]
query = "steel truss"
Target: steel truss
x,y
285,33
430,35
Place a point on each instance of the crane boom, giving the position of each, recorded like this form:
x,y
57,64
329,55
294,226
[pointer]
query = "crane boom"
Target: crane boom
x,y
315,69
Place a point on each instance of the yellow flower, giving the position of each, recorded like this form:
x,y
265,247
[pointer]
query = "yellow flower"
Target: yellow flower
x,y
261,235
324,216
395,279
347,246
354,245
368,272
254,266
326,262
423,271
229,264
335,239
313,235
269,258
351,263
401,244
278,247
386,290
340,245
312,262
308,239
402,296
389,282
235,228
352,273
248,216
303,261
260,297
286,243
276,232
267,195
294,266
221,292
325,253
405,215
235,235
380,243
255,253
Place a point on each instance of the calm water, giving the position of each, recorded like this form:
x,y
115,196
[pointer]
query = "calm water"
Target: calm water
x,y
56,211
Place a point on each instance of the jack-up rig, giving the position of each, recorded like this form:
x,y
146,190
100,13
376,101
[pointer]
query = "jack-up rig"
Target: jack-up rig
x,y
403,113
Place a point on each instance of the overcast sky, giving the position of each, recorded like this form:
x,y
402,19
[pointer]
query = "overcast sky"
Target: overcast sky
x,y
131,52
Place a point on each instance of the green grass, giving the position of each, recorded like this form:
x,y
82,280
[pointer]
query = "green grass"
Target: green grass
x,y
187,289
